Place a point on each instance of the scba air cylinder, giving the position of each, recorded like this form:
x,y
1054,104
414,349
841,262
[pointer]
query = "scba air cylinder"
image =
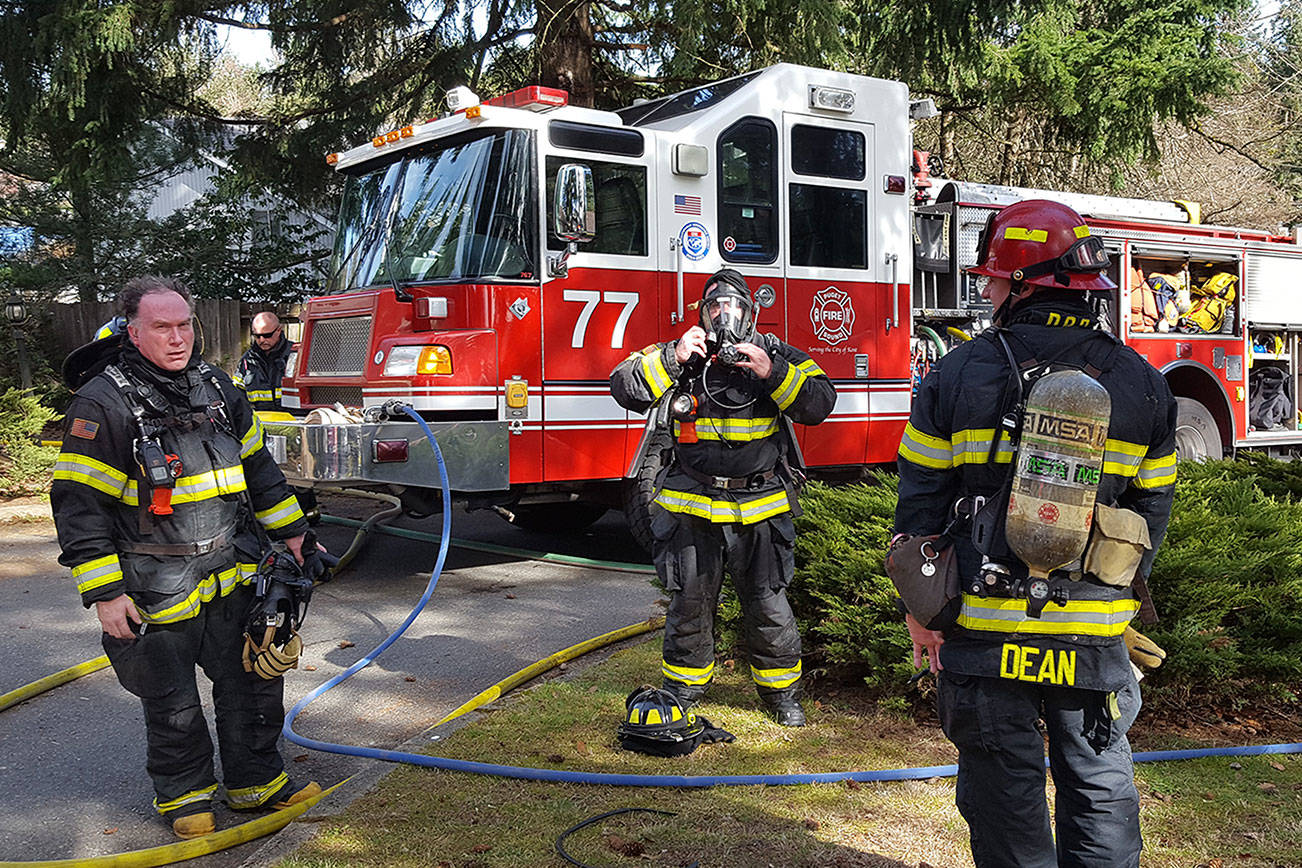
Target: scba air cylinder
x,y
1059,462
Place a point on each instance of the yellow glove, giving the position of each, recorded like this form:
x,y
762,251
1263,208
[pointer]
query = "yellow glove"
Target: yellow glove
x,y
1143,650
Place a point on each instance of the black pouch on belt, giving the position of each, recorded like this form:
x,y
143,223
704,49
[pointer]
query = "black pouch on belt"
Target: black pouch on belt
x,y
924,570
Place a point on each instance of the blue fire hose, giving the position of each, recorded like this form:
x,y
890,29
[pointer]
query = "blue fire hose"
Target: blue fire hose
x,y
628,780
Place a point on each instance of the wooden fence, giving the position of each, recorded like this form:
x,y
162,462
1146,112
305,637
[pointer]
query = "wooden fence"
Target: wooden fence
x,y
223,323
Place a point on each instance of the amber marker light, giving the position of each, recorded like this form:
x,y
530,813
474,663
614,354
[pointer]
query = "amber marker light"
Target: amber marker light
x,y
434,360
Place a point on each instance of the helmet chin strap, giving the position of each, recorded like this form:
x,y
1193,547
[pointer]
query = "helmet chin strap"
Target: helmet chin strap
x,y
1015,291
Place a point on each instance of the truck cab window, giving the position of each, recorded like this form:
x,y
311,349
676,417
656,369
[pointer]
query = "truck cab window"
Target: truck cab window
x,y
827,152
748,184
818,241
621,207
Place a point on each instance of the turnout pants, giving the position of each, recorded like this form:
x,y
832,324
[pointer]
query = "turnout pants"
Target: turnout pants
x,y
1001,782
691,555
159,667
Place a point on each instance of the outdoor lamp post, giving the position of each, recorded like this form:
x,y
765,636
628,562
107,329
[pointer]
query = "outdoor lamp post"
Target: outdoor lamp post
x,y
16,315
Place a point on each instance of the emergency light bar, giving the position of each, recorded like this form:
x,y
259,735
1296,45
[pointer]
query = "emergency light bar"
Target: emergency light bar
x,y
536,99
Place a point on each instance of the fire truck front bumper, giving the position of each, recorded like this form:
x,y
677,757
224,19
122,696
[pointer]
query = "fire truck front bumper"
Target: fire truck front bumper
x,y
314,454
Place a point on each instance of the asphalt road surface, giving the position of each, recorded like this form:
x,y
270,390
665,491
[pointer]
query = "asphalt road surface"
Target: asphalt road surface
x,y
72,778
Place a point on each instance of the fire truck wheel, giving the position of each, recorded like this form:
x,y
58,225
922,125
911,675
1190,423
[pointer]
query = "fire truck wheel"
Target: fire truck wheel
x,y
1196,436
640,490
557,518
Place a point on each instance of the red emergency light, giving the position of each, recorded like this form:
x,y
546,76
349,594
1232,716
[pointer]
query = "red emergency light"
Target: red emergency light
x,y
535,99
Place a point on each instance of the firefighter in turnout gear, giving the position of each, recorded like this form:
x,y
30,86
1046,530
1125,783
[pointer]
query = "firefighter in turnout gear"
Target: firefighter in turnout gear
x,y
161,478
1004,664
727,497
262,367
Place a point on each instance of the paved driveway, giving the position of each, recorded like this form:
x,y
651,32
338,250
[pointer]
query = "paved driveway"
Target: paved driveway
x,y
72,780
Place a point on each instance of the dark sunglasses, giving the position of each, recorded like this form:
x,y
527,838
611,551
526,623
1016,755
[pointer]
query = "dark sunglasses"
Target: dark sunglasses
x,y
269,334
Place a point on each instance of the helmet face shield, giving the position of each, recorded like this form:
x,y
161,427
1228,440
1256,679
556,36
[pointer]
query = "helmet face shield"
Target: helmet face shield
x,y
1086,255
728,317
727,312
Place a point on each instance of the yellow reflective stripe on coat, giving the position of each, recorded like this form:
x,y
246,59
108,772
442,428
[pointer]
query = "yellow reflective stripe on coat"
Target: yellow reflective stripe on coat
x,y
776,678
72,467
238,379
972,446
204,795
1122,458
97,573
253,797
732,430
686,674
925,450
252,440
215,585
196,488
262,395
786,391
283,513
653,370
1156,472
725,511
1078,617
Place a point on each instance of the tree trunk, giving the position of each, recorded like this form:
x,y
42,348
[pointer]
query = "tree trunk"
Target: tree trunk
x,y
565,44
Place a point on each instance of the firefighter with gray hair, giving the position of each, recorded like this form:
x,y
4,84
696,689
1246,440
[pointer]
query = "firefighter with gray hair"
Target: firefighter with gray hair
x,y
164,499
727,496
1036,476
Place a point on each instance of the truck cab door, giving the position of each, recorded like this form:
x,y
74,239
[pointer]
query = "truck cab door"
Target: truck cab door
x,y
599,307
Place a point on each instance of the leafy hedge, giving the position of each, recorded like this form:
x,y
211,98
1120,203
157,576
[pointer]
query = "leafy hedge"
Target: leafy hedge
x,y
24,466
1227,582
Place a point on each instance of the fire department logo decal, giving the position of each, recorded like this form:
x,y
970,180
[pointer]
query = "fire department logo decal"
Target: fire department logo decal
x,y
694,239
832,315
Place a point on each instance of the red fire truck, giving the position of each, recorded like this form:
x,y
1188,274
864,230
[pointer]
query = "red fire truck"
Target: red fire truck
x,y
1220,371
492,266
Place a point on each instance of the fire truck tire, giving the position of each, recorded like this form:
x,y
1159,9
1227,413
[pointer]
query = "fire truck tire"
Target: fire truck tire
x,y
1196,436
558,518
640,490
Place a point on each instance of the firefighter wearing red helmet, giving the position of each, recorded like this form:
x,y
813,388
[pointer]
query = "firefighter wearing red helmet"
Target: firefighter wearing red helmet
x,y
1002,667
728,496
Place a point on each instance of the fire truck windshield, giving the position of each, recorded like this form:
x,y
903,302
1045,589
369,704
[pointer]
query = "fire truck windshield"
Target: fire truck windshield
x,y
453,211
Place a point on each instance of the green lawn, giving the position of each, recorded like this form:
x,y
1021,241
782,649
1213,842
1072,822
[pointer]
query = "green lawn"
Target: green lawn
x,y
1194,813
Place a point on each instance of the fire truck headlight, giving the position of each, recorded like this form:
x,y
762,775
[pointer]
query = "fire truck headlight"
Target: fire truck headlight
x,y
291,363
410,361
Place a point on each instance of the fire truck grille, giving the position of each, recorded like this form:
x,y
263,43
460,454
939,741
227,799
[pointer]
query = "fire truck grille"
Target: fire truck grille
x,y
349,396
339,346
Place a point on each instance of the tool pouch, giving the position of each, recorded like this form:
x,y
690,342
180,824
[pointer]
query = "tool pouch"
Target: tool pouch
x,y
1116,546
924,570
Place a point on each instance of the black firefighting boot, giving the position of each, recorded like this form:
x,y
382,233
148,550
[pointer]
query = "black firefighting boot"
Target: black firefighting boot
x,y
686,694
785,707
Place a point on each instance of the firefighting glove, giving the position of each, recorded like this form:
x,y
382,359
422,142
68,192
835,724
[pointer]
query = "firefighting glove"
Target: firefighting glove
x,y
316,563
1143,650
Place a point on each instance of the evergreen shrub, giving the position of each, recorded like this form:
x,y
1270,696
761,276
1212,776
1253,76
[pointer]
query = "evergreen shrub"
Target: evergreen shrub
x,y
24,465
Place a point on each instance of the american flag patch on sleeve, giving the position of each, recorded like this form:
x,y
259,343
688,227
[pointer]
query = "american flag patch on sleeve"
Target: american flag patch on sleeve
x,y
83,428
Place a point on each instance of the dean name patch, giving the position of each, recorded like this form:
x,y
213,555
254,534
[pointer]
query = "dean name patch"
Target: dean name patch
x,y
1041,665
83,428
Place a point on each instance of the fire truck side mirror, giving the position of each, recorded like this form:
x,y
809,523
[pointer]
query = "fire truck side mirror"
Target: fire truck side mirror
x,y
576,204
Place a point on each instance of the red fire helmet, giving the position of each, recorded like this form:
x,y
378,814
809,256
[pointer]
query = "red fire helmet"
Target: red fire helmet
x,y
1043,243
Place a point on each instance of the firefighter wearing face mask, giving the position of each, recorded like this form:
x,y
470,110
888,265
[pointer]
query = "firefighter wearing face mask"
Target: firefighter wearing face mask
x,y
1002,666
728,496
